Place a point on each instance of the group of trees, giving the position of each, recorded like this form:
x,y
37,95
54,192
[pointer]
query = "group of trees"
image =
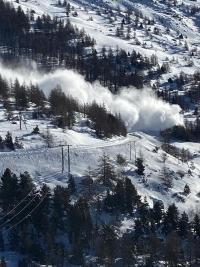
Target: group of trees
x,y
33,221
55,43
12,21
189,83
36,236
165,236
61,107
103,122
124,198
189,132
21,93
8,144
46,37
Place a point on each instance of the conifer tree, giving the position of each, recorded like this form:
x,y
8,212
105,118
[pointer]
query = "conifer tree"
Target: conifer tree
x,y
158,211
26,185
184,225
71,184
2,245
120,195
196,225
105,171
171,219
131,196
140,166
8,190
9,141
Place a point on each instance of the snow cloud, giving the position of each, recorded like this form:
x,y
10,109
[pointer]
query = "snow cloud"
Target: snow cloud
x,y
140,109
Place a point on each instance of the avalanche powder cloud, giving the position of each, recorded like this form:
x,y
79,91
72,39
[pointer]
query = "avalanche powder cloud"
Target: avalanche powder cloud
x,y
140,109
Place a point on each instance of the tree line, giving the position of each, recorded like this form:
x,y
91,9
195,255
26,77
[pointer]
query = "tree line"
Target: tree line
x,y
56,43
190,132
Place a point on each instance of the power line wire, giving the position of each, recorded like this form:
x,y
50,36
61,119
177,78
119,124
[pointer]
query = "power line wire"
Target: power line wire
x,y
23,219
11,211
9,220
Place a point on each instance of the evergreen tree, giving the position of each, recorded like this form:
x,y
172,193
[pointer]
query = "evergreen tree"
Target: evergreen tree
x,y
186,189
71,184
8,190
120,196
138,229
121,161
61,207
9,141
4,88
140,166
21,95
131,196
155,245
196,225
144,212
40,217
36,130
77,257
184,225
172,249
14,240
108,239
171,219
158,211
127,250
36,96
80,213
110,202
105,171
26,185
2,245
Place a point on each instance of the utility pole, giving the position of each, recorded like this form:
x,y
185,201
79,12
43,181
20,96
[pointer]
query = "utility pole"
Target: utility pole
x,y
63,163
135,150
69,160
20,120
130,150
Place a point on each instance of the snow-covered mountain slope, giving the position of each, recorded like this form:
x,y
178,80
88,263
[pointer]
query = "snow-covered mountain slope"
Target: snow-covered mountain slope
x,y
45,164
171,31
